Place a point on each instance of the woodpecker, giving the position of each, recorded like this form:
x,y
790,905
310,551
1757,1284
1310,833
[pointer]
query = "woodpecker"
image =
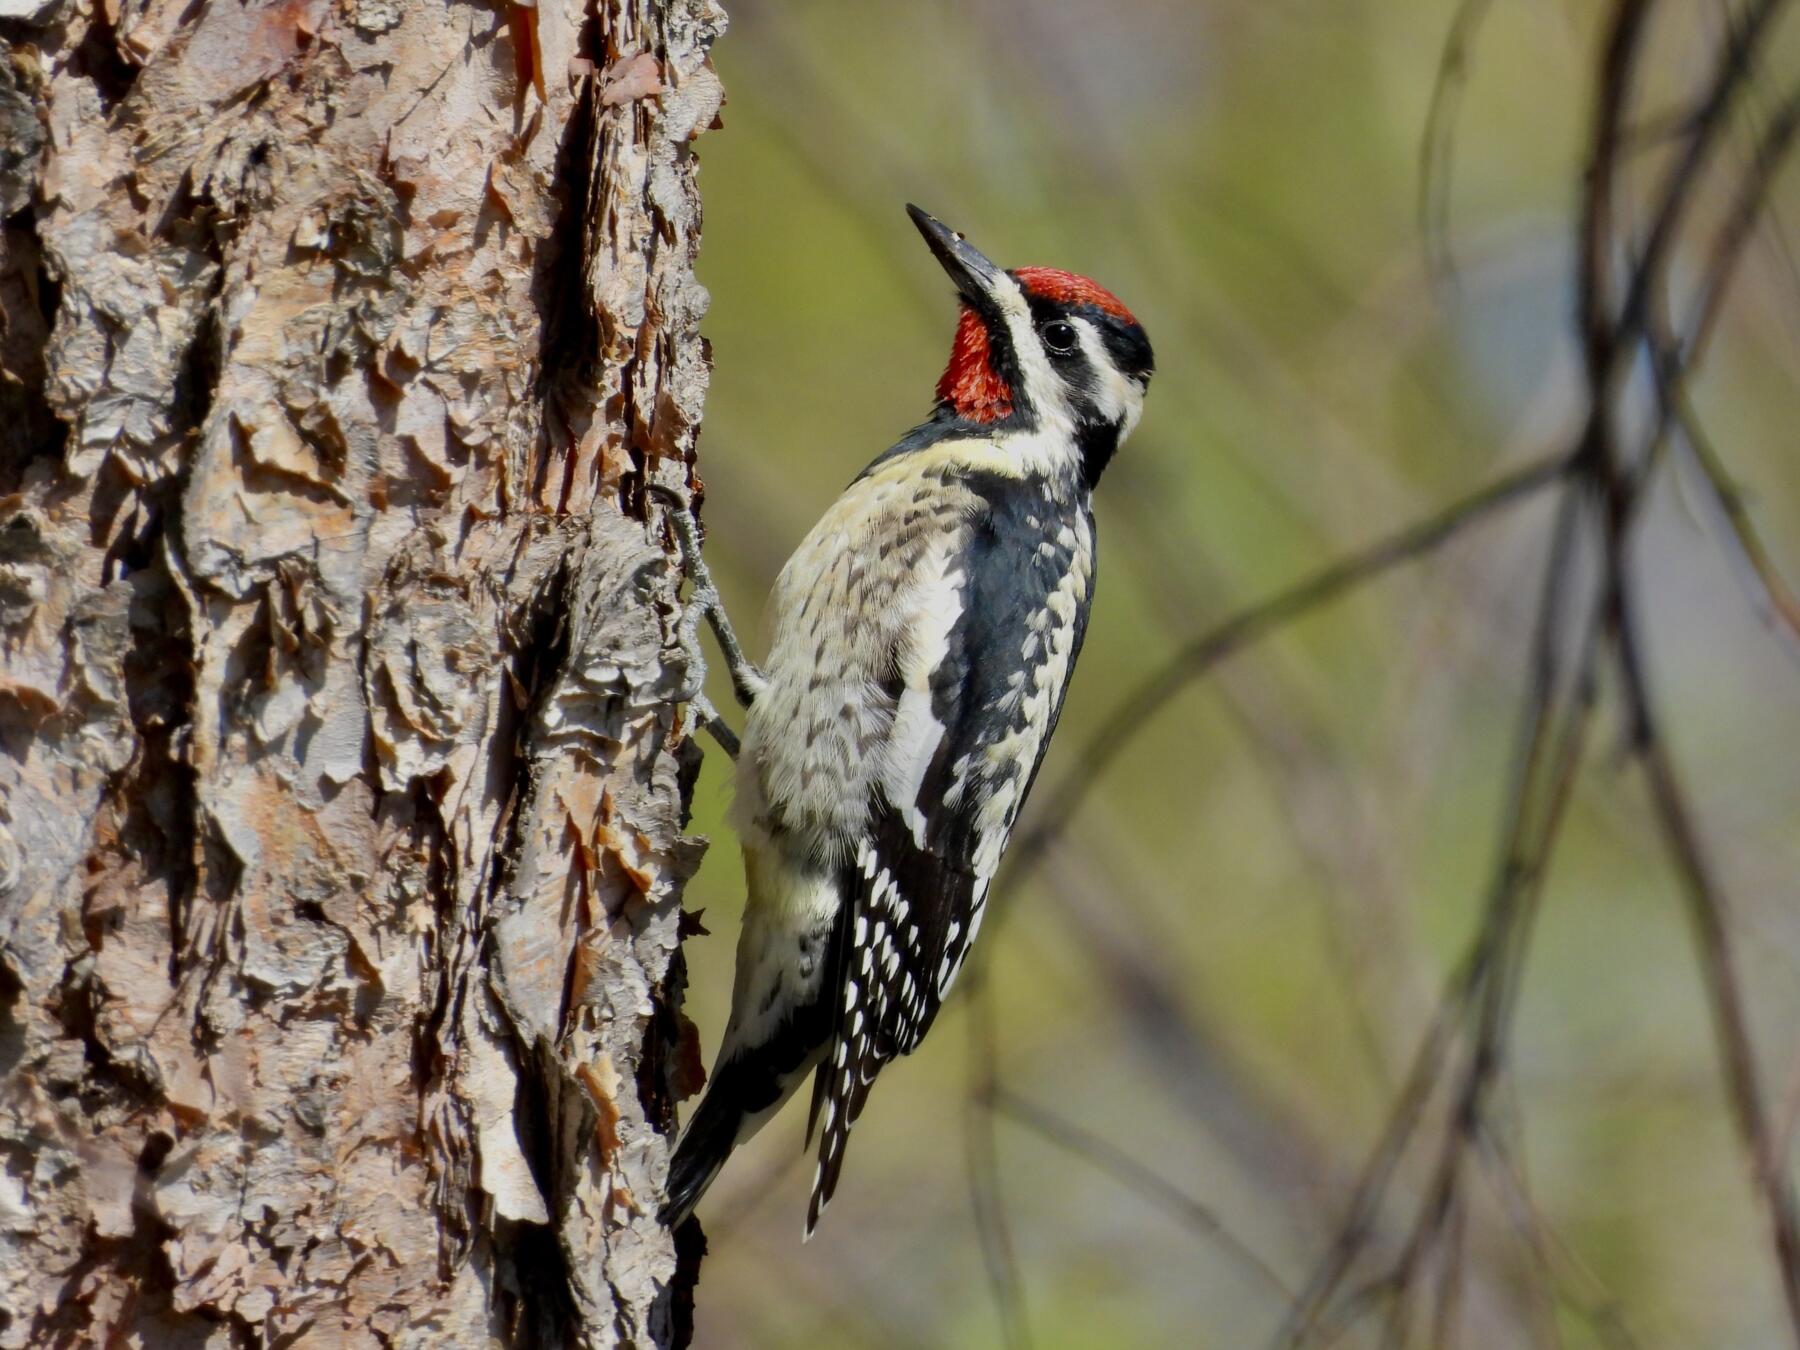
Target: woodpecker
x,y
923,635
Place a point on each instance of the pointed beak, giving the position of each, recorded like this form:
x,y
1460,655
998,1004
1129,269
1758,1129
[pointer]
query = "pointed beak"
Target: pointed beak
x,y
969,268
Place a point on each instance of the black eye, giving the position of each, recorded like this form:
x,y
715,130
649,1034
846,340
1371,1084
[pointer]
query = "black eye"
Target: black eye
x,y
1059,336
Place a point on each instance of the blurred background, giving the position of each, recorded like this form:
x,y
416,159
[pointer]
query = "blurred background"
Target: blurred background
x,y
1222,970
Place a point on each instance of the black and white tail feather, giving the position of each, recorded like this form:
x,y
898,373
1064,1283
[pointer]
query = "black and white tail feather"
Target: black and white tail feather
x,y
891,994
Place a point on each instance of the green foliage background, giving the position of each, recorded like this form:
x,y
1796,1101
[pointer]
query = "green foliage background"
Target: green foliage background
x,y
1226,969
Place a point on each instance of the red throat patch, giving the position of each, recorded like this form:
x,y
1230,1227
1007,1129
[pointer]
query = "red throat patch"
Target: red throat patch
x,y
969,383
1068,288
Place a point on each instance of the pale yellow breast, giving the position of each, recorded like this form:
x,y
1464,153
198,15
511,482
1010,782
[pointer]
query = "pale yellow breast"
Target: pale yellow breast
x,y
867,574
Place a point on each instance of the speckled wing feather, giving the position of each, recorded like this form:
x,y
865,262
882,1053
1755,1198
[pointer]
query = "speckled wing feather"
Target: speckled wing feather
x,y
979,686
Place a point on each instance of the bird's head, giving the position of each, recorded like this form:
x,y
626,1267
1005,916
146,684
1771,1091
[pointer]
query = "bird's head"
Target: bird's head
x,y
1040,350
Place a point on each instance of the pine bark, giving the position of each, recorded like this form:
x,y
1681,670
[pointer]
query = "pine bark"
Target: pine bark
x,y
342,797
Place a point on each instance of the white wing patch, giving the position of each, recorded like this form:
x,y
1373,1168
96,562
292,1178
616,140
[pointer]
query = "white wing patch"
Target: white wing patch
x,y
917,732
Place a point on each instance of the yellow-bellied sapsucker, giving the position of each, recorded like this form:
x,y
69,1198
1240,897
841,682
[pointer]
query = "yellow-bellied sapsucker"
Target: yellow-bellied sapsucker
x,y
923,635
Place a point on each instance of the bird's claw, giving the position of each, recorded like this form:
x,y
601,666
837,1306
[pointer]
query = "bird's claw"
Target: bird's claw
x,y
704,602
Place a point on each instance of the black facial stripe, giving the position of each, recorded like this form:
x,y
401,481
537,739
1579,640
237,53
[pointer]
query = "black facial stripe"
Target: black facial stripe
x,y
1128,348
1042,310
1077,372
1099,441
1082,384
1097,434
1073,367
1126,344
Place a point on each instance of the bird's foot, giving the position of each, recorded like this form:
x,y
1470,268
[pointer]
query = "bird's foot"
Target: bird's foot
x,y
704,603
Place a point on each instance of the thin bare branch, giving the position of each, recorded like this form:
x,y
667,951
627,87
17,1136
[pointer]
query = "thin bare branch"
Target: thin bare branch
x,y
1447,1292
1109,1158
1542,791
1549,758
1309,1309
1612,336
1540,808
1673,355
1748,206
1437,144
1250,625
1595,230
1572,1283
1611,342
1788,1121
1713,938
983,1159
1775,599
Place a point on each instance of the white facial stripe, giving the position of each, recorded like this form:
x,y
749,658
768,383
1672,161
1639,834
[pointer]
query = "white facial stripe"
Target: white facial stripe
x,y
1133,410
1043,387
1118,397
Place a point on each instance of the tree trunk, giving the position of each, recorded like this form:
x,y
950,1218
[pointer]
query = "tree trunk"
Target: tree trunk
x,y
342,797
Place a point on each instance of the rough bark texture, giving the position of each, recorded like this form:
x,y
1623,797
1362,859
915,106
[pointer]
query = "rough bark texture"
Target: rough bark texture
x,y
341,797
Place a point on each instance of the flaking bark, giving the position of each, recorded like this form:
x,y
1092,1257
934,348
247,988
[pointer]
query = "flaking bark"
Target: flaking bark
x,y
341,796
